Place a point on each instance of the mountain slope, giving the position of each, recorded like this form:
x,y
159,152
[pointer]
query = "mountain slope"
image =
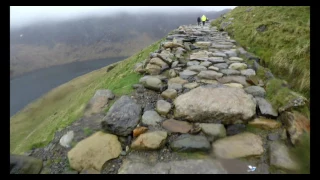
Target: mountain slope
x,y
51,43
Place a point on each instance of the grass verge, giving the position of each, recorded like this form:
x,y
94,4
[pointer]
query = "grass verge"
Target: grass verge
x,y
279,35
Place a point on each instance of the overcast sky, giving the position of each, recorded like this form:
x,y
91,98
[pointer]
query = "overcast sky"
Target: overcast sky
x,y
23,15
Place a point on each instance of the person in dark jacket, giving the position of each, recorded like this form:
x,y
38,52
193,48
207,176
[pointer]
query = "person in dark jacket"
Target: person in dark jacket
x,y
199,21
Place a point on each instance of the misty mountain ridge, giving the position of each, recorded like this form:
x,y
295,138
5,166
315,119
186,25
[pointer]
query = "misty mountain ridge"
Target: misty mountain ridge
x,y
51,43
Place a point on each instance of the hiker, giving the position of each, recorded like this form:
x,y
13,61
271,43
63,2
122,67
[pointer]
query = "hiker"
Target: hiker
x,y
207,20
203,19
199,21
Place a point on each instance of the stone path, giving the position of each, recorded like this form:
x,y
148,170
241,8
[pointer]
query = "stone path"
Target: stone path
x,y
189,114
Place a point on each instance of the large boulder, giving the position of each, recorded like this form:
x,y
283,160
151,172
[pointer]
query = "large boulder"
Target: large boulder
x,y
122,117
150,141
237,146
209,104
190,143
20,164
296,123
280,157
94,151
98,102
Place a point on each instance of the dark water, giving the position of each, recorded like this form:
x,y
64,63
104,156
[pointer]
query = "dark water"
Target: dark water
x,y
26,88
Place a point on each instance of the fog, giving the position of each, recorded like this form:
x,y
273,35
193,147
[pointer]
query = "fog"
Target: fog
x,y
24,15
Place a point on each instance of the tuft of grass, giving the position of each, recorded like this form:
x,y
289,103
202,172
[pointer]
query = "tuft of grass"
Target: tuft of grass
x,y
280,95
301,153
284,47
73,144
37,123
252,129
87,131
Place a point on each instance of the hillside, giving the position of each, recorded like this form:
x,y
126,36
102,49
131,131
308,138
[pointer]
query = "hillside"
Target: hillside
x,y
51,43
180,106
279,35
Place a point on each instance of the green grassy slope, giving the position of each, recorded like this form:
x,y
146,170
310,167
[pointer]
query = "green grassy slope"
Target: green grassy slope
x,y
37,123
284,47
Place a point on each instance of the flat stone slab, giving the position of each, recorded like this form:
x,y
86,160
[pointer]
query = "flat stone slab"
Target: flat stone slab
x,y
176,126
187,73
190,143
237,146
209,104
191,166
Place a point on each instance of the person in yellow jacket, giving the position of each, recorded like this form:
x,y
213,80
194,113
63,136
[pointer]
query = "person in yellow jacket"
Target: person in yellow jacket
x,y
203,19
